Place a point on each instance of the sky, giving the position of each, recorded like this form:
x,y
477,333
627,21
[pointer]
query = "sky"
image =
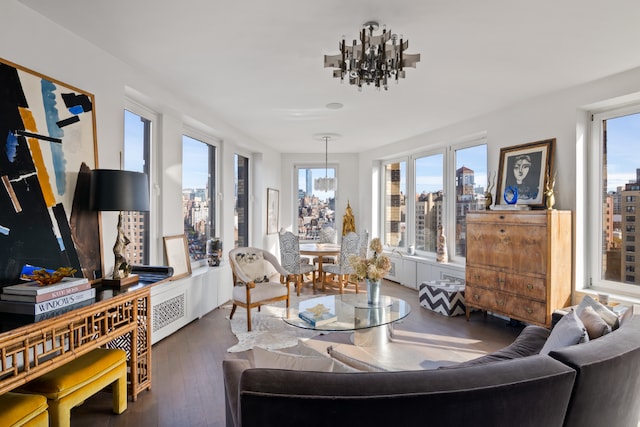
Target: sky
x,y
623,136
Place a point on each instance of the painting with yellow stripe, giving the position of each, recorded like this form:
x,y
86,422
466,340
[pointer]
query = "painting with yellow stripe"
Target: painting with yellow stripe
x,y
47,149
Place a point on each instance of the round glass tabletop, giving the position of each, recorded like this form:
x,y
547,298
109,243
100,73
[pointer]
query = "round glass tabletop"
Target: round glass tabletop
x,y
346,312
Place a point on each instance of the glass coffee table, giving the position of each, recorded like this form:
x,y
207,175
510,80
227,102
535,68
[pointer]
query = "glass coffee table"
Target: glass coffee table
x,y
371,324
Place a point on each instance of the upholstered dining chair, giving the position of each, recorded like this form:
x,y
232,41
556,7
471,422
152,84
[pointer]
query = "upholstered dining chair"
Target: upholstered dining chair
x,y
292,262
363,244
327,235
257,280
340,273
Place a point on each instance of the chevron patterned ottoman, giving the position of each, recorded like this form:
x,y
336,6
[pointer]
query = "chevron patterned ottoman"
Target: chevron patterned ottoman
x,y
443,296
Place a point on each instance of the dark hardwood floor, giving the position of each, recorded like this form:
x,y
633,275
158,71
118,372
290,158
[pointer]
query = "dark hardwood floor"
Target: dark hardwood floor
x,y
187,388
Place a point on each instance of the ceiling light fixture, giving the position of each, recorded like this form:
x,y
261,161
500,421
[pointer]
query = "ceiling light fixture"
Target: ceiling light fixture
x,y
374,61
325,184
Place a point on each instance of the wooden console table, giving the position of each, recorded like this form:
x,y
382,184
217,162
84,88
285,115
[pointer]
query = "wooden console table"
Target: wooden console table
x,y
118,319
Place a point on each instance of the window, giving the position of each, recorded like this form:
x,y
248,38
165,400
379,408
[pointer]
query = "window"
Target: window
x,y
198,195
616,178
429,201
417,221
137,148
395,204
471,168
316,204
241,212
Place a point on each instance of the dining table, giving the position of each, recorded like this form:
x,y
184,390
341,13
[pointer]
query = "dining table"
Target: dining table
x,y
320,250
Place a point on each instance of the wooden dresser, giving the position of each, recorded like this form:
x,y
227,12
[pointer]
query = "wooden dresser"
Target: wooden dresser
x,y
519,263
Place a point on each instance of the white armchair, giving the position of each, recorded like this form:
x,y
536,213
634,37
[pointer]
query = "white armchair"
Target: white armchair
x,y
258,278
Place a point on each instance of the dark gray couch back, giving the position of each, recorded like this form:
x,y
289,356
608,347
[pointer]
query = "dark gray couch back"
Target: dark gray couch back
x,y
532,391
607,391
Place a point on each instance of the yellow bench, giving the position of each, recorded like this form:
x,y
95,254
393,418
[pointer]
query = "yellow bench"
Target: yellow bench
x,y
72,383
23,410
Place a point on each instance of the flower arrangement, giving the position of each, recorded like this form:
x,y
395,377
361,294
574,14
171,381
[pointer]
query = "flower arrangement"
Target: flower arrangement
x,y
374,268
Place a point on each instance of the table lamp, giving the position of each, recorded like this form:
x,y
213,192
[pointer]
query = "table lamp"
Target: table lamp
x,y
119,190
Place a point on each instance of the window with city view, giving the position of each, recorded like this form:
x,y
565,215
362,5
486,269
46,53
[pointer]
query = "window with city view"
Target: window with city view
x,y
395,204
619,136
471,168
316,201
136,158
198,195
416,222
429,201
241,212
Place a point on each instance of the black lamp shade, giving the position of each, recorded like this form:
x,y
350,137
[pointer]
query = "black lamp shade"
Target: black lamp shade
x,y
119,190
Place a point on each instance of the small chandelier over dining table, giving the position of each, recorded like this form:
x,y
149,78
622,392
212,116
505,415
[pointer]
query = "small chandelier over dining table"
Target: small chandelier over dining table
x,y
325,184
376,60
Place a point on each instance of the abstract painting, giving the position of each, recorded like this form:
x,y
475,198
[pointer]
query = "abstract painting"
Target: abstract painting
x,y
47,149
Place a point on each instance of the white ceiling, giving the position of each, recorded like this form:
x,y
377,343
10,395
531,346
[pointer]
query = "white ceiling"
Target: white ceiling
x,y
258,65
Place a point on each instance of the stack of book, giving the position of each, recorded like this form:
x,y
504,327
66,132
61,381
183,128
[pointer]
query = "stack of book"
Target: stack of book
x,y
318,315
45,301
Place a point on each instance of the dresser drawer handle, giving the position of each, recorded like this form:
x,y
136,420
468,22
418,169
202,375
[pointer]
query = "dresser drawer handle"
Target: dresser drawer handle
x,y
501,216
529,286
502,231
476,276
501,281
476,297
500,302
528,310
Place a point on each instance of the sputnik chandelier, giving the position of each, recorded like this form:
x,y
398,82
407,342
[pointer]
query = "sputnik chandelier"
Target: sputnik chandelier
x,y
374,61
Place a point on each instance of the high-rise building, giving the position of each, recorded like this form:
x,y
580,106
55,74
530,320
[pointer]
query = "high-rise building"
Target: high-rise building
x,y
630,233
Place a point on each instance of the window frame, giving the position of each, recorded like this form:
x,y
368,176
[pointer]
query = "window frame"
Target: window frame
x,y
214,178
595,206
155,249
296,171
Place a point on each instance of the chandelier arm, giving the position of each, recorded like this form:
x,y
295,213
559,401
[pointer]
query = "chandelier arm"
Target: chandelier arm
x,y
401,62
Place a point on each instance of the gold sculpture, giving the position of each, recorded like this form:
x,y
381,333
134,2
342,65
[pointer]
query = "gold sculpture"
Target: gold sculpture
x,y
549,191
348,221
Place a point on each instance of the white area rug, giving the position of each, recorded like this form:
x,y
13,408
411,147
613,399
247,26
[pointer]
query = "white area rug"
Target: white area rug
x,y
268,329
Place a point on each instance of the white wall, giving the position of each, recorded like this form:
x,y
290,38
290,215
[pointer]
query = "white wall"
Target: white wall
x,y
34,42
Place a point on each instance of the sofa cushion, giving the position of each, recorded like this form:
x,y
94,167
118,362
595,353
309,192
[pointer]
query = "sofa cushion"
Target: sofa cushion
x,y
569,331
252,265
279,360
607,315
596,326
529,342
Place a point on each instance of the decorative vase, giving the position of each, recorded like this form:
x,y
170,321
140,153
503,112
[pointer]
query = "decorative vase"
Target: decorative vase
x,y
373,291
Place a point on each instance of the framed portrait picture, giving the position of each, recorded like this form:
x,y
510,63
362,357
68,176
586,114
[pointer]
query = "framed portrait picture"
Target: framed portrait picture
x,y
273,203
177,253
523,173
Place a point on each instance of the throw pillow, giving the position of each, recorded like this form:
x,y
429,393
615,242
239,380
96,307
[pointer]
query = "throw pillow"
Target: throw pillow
x,y
278,360
569,331
607,315
596,326
252,265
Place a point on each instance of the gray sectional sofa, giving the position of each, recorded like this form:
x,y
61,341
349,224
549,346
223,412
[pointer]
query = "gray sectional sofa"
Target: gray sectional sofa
x,y
591,384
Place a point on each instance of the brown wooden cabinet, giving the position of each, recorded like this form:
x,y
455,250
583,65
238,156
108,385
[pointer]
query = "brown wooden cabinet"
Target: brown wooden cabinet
x,y
519,263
